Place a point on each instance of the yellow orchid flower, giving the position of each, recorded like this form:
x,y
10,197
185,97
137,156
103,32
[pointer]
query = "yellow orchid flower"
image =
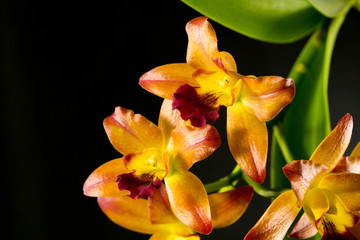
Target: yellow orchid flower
x,y
155,217
208,80
326,187
155,153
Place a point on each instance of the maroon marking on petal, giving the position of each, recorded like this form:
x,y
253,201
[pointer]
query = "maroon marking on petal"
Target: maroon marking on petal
x,y
330,232
142,187
194,107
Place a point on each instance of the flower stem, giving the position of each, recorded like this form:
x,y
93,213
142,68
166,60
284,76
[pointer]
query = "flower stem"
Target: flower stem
x,y
229,182
261,190
282,143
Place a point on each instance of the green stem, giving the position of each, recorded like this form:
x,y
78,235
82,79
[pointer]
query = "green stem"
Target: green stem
x,y
261,190
230,180
278,134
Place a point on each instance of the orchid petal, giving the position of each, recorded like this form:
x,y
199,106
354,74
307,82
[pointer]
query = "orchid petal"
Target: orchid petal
x,y
228,207
267,96
329,214
159,207
346,186
303,228
168,119
164,80
171,236
129,132
130,214
227,61
348,164
102,182
333,147
302,174
356,151
194,144
277,219
202,46
248,141
315,205
189,200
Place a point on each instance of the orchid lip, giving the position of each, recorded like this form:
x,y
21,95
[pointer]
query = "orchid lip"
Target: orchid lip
x,y
197,108
138,187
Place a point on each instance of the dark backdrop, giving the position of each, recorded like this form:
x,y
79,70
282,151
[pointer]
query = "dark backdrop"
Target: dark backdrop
x,y
65,65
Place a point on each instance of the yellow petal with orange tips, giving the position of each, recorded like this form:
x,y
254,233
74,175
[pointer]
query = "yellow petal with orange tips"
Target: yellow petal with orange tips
x,y
277,219
202,46
346,186
164,80
130,213
191,145
102,182
131,133
333,147
248,141
228,207
267,96
189,201
328,213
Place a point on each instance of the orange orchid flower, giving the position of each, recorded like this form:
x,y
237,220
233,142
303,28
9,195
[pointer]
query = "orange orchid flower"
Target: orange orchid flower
x,y
155,217
155,153
209,80
326,187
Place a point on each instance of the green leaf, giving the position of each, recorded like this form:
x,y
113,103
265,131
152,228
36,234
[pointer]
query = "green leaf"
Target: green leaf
x,y
306,121
331,8
275,21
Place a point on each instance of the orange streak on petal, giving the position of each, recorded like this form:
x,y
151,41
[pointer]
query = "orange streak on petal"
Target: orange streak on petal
x,y
356,151
277,219
228,207
333,147
189,201
248,141
202,45
303,228
194,144
164,80
267,96
348,164
346,186
129,132
129,213
102,182
302,174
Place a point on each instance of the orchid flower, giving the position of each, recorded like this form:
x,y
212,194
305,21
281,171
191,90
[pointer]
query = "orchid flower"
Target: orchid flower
x,y
153,154
326,187
209,80
154,216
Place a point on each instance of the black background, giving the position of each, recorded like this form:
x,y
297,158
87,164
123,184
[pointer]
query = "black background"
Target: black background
x,y
65,66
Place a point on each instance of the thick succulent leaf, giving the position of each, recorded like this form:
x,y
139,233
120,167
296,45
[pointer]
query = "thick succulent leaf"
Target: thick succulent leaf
x,y
276,21
330,8
306,121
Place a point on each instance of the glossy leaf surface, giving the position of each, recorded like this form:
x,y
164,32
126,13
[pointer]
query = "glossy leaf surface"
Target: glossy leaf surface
x,y
276,21
330,8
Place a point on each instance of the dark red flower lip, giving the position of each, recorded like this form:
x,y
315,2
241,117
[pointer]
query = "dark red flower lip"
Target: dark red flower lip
x,y
194,107
138,187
